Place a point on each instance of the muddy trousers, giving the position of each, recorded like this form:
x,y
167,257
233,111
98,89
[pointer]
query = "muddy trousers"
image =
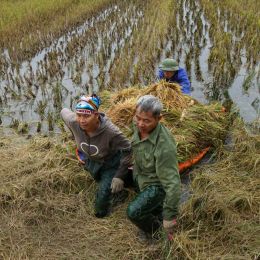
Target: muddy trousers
x,y
103,175
145,211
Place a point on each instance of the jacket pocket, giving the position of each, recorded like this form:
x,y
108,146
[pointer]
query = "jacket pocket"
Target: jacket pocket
x,y
148,163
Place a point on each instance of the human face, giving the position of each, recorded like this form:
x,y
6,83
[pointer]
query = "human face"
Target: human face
x,y
87,122
168,74
145,121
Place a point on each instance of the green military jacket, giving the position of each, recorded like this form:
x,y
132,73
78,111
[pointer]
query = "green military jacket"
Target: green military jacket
x,y
155,163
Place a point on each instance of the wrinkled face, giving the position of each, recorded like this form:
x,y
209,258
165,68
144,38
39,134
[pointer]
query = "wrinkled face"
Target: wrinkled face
x,y
168,74
87,122
145,121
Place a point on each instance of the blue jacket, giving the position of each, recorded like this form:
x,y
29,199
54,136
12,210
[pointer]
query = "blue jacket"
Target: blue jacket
x,y
180,77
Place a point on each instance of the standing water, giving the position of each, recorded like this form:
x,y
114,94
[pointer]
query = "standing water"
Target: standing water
x,y
83,61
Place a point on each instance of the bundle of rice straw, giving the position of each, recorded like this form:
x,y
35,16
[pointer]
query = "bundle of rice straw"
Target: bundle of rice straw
x,y
124,94
122,114
169,94
194,126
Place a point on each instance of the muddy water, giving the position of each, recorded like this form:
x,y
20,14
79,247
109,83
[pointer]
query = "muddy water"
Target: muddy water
x,y
76,63
80,62
194,39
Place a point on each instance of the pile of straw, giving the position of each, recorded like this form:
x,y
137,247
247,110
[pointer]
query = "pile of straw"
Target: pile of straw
x,y
124,94
169,94
193,125
122,112
221,220
46,204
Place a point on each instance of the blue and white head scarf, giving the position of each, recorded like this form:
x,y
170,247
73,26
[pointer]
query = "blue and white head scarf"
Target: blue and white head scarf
x,y
88,105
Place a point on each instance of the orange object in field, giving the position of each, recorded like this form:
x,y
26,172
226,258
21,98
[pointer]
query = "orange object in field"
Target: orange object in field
x,y
182,166
187,164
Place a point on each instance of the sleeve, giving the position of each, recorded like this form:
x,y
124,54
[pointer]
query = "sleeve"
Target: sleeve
x,y
168,174
184,81
159,75
122,144
68,117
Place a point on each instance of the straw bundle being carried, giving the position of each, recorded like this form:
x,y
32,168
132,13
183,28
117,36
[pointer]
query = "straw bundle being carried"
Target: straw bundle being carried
x,y
193,125
124,94
169,94
122,114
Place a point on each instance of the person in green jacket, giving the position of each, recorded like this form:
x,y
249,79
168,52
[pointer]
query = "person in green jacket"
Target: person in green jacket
x,y
155,170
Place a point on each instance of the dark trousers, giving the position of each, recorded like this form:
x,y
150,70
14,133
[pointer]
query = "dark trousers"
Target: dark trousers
x,y
145,211
103,173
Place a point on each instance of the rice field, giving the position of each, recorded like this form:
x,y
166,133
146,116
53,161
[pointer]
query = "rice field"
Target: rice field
x,y
26,27
117,44
54,51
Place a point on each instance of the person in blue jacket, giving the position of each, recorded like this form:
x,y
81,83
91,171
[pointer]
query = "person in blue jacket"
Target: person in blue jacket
x,y
171,72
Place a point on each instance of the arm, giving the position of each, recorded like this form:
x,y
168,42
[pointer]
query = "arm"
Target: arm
x,y
184,81
167,172
67,116
121,143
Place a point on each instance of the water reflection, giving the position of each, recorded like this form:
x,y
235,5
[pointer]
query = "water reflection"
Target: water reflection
x,y
83,61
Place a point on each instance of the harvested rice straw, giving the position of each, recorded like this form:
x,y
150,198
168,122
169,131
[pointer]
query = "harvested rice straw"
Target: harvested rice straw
x,y
122,113
208,124
169,94
124,94
106,100
198,125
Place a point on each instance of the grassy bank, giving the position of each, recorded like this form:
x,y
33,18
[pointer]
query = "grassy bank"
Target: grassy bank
x,y
28,26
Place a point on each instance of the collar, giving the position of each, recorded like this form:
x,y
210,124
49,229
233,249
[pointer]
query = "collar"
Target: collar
x,y
152,136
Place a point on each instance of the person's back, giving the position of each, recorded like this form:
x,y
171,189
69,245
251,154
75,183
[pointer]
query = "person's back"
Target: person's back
x,y
170,71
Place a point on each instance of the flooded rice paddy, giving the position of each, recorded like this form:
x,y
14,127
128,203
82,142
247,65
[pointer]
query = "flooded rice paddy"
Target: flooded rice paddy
x,y
117,48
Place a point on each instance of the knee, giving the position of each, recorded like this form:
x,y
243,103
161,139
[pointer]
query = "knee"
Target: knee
x,y
132,212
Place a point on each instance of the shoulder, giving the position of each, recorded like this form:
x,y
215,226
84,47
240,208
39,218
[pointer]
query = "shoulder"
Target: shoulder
x,y
165,139
160,74
182,71
69,118
109,126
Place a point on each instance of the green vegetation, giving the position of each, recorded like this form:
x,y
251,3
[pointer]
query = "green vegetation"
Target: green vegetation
x,y
234,32
28,26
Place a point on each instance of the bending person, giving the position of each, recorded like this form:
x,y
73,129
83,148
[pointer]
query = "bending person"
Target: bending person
x,y
171,72
155,170
102,147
